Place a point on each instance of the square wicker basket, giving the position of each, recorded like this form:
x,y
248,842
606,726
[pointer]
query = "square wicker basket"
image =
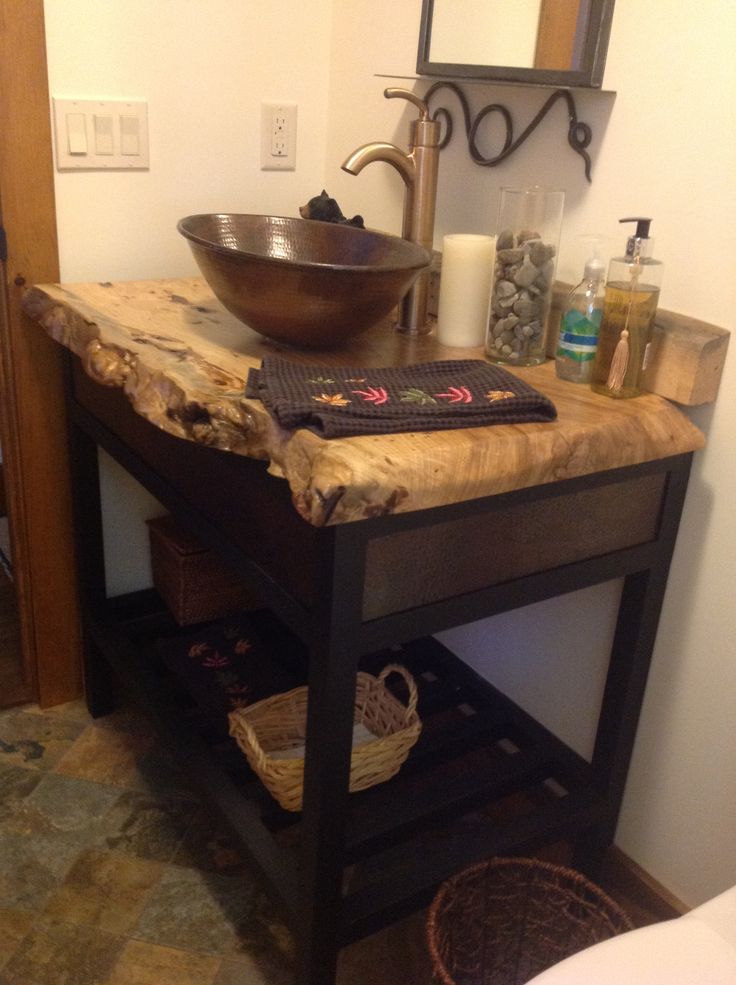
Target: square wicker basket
x,y
271,733
195,585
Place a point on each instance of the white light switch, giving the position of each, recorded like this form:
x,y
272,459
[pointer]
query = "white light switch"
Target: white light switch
x,y
101,134
76,133
104,141
130,143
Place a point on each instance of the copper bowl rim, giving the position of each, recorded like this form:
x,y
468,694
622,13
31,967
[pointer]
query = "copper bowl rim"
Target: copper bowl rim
x,y
423,258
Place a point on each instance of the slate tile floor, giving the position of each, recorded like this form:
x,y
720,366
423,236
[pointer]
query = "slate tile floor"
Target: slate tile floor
x,y
110,873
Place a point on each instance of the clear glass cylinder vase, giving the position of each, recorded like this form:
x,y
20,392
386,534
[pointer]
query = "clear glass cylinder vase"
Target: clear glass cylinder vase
x,y
528,237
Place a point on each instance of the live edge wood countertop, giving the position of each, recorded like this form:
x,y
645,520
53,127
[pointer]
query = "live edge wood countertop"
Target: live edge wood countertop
x,y
182,361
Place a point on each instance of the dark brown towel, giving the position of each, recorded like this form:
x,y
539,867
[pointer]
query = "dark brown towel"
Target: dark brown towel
x,y
338,401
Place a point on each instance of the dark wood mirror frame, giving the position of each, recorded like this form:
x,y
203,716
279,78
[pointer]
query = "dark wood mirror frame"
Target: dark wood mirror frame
x,y
589,75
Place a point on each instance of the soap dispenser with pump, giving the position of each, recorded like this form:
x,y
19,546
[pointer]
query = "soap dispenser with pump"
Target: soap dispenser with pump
x,y
630,305
580,322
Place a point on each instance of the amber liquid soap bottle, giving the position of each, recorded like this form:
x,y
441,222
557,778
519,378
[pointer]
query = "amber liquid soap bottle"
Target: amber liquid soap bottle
x,y
629,308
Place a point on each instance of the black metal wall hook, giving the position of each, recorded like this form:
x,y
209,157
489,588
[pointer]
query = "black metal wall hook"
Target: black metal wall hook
x,y
579,134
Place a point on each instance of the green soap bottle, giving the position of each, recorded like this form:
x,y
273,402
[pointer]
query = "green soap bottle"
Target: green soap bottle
x,y
580,323
629,308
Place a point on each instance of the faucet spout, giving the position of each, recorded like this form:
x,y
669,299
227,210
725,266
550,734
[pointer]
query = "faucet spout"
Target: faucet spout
x,y
381,151
418,169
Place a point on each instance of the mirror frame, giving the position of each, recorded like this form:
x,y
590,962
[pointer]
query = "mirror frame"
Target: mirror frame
x,y
590,75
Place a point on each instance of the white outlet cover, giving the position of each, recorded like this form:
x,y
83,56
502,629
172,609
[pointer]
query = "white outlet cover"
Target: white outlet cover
x,y
75,156
270,159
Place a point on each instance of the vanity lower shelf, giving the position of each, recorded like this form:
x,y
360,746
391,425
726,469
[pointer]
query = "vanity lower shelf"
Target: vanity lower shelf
x,y
484,778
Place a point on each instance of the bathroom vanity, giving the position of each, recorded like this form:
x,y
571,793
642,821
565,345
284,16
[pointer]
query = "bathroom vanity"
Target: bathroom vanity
x,y
363,548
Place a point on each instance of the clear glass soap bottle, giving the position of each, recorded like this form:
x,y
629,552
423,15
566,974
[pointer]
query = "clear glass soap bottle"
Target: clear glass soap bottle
x,y
580,323
630,305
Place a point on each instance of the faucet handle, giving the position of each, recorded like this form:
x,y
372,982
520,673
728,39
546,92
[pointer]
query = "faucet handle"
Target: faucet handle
x,y
393,93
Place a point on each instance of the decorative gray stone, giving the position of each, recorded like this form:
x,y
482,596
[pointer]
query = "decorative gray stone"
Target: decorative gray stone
x,y
505,240
525,235
504,289
526,309
539,252
526,274
510,256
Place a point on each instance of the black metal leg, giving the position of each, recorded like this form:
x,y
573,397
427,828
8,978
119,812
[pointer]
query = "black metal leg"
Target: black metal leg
x,y
87,508
99,691
636,629
332,684
330,724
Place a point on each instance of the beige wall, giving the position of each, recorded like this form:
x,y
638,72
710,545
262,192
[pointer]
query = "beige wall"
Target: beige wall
x,y
204,68
664,146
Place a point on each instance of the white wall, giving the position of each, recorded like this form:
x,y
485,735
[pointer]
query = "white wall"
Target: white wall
x,y
664,146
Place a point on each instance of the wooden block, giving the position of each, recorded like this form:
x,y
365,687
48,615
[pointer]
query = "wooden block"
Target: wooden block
x,y
687,359
687,356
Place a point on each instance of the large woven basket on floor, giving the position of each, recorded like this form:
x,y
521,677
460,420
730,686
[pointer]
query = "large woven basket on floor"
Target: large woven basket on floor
x,y
271,734
506,920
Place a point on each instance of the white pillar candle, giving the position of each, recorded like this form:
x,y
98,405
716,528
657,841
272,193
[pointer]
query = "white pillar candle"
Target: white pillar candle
x,y
465,289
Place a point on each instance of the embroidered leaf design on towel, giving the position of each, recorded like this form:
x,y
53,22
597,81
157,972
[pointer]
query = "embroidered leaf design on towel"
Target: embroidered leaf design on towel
x,y
374,395
216,660
198,650
321,380
242,646
415,396
457,395
332,399
357,379
493,395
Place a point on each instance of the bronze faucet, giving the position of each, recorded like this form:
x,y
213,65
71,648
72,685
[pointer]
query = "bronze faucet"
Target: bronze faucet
x,y
418,167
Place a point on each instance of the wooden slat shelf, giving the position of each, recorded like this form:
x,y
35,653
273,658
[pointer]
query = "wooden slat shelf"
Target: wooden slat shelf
x,y
401,881
477,750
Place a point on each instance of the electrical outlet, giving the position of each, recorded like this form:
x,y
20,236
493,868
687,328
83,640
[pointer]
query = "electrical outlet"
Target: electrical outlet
x,y
278,136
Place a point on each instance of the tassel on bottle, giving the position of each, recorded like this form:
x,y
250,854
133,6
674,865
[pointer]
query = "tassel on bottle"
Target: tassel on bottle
x,y
619,363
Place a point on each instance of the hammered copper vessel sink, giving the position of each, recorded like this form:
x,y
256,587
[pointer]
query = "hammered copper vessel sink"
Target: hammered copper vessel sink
x,y
302,282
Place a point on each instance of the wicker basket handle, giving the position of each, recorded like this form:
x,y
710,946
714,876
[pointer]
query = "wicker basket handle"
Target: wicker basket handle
x,y
411,708
243,725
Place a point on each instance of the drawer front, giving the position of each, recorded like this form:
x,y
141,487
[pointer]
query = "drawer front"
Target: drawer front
x,y
416,567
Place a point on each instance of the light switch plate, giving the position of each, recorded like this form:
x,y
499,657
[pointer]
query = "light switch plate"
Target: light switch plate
x,y
114,136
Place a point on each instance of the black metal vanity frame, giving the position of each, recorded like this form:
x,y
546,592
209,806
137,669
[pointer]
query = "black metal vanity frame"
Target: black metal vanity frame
x,y
319,583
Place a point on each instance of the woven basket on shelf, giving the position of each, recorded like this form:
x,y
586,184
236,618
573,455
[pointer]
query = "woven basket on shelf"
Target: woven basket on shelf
x,y
268,731
505,920
195,585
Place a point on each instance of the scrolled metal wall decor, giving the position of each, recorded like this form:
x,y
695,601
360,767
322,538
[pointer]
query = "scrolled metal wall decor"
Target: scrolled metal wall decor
x,y
579,134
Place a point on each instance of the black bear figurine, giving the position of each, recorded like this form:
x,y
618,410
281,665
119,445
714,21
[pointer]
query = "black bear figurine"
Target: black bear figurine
x,y
325,209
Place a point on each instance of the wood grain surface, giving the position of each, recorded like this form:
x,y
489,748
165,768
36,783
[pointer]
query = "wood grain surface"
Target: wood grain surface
x,y
182,361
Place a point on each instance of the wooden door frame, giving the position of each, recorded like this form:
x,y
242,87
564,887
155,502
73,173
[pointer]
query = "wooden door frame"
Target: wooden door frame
x,y
32,415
